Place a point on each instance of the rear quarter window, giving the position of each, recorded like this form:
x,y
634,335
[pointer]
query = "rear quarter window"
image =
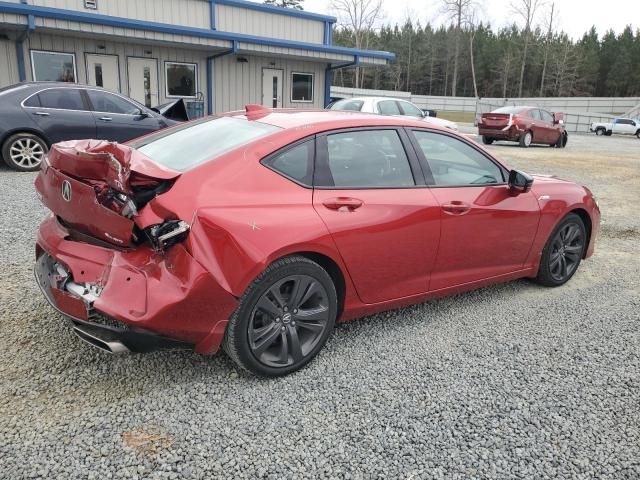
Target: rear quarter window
x,y
294,162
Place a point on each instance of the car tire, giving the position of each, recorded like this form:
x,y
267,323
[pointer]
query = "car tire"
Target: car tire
x,y
525,139
24,152
563,252
262,334
487,140
638,134
562,141
600,131
608,133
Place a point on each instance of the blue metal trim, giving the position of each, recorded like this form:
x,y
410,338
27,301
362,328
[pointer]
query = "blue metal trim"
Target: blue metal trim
x,y
31,23
60,14
22,74
210,59
212,14
291,12
327,34
327,77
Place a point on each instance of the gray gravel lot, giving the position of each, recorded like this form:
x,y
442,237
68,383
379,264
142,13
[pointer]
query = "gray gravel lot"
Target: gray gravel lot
x,y
512,381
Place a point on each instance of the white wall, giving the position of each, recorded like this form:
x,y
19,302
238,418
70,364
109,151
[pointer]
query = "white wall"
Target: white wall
x,y
238,83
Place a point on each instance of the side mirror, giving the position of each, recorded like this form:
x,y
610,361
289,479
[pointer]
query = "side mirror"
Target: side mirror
x,y
519,182
143,114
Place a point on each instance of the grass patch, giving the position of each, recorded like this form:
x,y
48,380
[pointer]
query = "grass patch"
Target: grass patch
x,y
465,117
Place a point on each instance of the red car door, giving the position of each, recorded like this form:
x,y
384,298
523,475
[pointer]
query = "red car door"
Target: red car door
x,y
552,131
486,230
369,191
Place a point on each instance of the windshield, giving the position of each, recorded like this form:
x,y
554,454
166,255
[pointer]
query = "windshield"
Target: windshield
x,y
513,110
185,147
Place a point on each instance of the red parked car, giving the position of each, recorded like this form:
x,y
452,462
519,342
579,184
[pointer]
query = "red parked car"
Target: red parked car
x,y
525,125
259,230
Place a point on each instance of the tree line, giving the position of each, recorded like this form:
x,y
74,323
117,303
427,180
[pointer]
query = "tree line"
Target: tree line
x,y
509,62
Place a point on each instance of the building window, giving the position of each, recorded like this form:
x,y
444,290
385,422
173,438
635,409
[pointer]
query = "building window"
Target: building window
x,y
181,79
302,87
53,66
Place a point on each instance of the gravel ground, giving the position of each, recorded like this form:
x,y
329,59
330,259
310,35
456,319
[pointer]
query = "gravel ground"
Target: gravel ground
x,y
512,381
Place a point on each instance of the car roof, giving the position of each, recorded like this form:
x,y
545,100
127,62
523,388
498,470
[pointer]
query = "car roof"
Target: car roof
x,y
320,120
376,99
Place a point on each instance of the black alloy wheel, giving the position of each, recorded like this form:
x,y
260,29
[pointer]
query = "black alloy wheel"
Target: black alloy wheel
x,y
285,317
563,252
288,321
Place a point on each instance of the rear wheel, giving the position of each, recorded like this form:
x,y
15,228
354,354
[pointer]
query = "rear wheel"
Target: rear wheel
x,y
284,318
525,139
24,152
487,140
563,252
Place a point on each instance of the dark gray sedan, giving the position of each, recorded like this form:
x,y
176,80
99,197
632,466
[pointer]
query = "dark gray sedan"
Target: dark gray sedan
x,y
35,115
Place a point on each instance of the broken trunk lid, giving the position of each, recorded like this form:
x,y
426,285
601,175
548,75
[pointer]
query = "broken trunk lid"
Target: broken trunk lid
x,y
96,187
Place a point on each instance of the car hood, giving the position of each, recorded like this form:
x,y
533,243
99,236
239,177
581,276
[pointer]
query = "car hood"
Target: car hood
x,y
441,122
173,111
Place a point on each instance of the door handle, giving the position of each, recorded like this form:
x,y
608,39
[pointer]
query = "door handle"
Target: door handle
x,y
456,207
41,114
106,119
342,204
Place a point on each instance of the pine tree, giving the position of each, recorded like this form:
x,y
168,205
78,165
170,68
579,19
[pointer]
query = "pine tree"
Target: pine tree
x,y
297,4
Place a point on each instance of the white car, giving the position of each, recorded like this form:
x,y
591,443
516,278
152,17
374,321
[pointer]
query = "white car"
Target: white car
x,y
622,126
388,106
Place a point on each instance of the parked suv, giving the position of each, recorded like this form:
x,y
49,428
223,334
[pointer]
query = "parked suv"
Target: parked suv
x,y
622,126
36,115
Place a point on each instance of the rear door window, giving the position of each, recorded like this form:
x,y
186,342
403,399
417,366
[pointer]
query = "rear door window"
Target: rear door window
x,y
389,107
62,99
368,158
534,114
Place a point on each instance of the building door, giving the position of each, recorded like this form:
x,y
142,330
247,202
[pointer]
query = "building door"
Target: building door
x,y
102,71
143,80
272,87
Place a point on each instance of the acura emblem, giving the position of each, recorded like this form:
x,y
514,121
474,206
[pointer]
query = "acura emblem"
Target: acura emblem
x,y
66,190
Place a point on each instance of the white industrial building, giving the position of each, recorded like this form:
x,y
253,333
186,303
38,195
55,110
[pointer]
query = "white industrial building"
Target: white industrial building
x,y
218,55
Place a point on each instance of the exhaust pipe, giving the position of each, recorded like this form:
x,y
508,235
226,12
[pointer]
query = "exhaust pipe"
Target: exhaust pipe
x,y
111,346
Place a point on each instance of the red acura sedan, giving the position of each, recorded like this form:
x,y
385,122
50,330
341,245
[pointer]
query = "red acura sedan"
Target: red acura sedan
x,y
525,125
258,230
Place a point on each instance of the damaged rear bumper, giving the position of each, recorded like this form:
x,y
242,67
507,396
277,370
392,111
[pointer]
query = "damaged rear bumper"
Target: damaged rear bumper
x,y
136,300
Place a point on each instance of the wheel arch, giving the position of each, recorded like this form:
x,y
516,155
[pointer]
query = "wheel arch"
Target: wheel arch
x,y
588,224
31,130
334,271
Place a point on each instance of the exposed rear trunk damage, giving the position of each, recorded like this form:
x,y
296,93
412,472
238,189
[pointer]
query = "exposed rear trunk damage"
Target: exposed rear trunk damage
x,y
99,188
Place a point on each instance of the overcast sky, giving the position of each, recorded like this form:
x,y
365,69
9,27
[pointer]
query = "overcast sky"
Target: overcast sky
x,y
575,16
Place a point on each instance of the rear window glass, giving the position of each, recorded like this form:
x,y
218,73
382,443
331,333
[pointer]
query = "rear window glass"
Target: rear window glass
x,y
194,143
513,110
352,105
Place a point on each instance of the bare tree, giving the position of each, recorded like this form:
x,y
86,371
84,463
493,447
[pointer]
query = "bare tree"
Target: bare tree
x,y
472,23
361,17
547,46
456,11
526,9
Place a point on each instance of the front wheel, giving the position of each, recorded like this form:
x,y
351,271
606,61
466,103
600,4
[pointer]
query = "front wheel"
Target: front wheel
x,y
599,131
525,139
285,317
638,134
563,252
24,152
562,141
